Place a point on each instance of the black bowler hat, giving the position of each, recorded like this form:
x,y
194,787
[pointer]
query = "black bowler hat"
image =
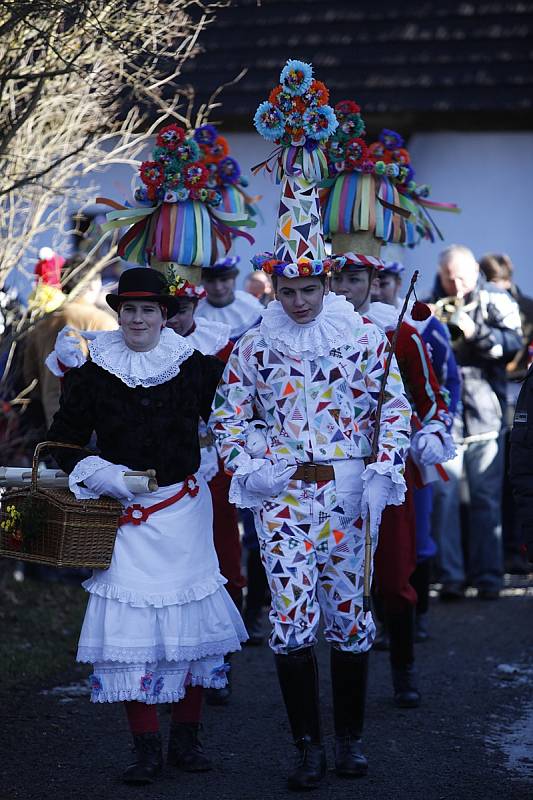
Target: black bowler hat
x,y
143,283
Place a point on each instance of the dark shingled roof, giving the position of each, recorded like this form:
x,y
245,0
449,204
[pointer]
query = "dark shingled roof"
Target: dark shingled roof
x,y
422,64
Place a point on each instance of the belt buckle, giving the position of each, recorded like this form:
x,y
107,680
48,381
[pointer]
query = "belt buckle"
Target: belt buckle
x,y
309,473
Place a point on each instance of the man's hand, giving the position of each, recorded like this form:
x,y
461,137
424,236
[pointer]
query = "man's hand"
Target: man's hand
x,y
270,479
428,447
376,492
465,323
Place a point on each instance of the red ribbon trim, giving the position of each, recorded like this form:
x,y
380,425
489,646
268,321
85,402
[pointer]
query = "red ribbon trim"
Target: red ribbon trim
x,y
136,514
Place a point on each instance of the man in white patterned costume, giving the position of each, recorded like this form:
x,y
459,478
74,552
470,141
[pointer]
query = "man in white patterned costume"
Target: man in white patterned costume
x,y
312,371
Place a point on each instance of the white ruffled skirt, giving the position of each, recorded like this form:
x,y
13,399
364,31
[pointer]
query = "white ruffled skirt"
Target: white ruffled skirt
x,y
159,619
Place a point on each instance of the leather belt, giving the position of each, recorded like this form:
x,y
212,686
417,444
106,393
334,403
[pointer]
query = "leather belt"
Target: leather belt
x,y
314,473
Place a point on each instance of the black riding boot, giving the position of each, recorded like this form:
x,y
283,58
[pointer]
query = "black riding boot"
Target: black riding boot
x,y
420,580
402,658
185,749
298,678
348,679
149,759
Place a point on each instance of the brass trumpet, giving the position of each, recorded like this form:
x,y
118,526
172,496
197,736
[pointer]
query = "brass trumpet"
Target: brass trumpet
x,y
449,310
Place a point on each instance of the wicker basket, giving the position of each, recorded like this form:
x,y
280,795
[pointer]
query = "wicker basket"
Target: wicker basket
x,y
49,526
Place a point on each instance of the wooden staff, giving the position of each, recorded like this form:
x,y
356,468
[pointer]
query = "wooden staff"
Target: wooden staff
x,y
375,439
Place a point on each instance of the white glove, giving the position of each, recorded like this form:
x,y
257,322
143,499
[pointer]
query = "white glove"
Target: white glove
x,y
376,492
270,479
68,347
428,448
110,481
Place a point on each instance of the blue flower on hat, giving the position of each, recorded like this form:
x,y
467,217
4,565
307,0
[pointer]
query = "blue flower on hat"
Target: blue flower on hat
x,y
320,122
206,134
296,76
269,121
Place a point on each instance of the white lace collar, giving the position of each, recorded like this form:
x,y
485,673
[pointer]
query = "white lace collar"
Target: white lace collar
x,y
240,315
336,325
208,336
159,365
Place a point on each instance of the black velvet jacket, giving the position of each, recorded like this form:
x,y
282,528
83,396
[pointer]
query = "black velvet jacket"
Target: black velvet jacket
x,y
143,427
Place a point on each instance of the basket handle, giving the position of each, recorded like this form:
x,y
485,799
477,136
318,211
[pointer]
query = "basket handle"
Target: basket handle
x,y
35,462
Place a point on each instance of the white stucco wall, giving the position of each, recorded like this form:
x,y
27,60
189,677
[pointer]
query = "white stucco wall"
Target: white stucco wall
x,y
489,175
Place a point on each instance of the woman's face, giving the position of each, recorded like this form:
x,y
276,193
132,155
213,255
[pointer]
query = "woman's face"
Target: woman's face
x,y
141,322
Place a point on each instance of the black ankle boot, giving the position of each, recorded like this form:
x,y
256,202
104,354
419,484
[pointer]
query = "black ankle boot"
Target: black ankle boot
x,y
401,634
406,695
185,749
298,678
348,679
149,759
310,766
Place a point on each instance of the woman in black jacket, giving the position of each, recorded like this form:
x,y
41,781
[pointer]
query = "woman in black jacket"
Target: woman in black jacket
x,y
159,620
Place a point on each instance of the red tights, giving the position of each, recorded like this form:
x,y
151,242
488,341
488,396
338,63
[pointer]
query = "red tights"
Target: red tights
x,y
142,717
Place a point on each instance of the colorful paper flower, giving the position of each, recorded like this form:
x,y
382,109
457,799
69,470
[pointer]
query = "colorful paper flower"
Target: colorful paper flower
x,y
171,136
317,94
401,156
152,175
220,149
195,176
205,134
367,167
346,107
335,150
320,122
282,99
390,139
187,151
351,127
214,198
378,152
163,155
296,76
356,152
269,121
229,170
182,194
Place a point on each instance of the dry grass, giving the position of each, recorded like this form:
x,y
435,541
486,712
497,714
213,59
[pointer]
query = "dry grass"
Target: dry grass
x,y
39,623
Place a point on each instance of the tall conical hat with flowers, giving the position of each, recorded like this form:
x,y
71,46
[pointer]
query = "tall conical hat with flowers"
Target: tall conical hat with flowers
x,y
297,118
370,197
190,205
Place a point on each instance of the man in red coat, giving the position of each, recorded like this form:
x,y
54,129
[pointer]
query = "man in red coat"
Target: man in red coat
x,y
395,559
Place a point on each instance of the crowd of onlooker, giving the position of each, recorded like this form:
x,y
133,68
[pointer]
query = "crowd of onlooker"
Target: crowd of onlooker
x,y
486,339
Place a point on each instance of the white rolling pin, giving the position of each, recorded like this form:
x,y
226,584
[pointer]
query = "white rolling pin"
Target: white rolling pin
x,y
20,477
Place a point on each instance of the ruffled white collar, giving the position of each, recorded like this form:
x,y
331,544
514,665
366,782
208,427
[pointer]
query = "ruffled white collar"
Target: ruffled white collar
x,y
383,315
240,315
337,324
209,337
110,351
